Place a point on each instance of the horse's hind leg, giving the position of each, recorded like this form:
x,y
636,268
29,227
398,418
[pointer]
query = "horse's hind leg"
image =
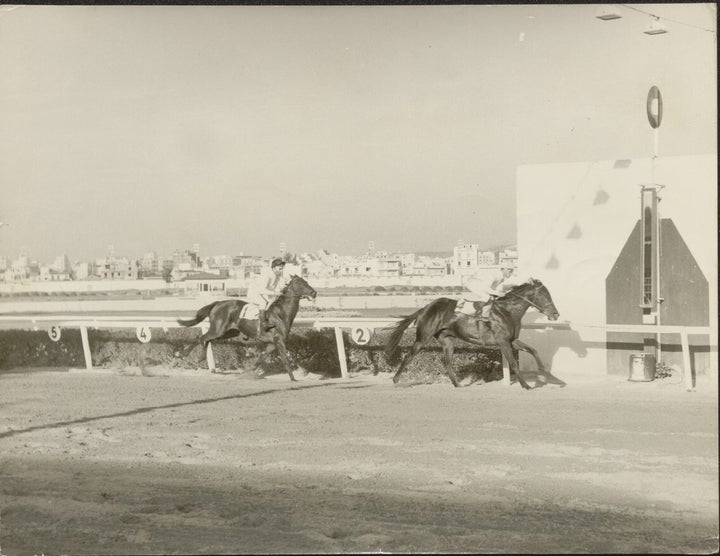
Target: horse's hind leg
x,y
422,337
448,346
517,344
417,346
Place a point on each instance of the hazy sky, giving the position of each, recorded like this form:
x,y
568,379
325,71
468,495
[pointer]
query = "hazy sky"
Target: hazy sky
x,y
240,127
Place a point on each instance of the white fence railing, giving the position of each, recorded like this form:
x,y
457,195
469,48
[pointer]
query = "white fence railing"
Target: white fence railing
x,y
361,330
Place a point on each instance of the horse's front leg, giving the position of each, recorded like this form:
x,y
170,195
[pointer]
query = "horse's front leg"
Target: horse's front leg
x,y
506,347
279,343
269,348
541,368
448,346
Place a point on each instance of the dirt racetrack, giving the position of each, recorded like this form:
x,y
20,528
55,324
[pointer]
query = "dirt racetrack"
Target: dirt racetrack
x,y
172,461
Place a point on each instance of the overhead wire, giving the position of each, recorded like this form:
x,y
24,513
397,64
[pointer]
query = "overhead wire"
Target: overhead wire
x,y
658,17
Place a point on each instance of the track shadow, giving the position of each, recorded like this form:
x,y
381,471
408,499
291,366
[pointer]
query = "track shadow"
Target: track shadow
x,y
141,410
548,342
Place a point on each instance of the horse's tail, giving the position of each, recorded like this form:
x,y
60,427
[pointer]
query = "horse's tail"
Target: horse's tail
x,y
202,314
398,329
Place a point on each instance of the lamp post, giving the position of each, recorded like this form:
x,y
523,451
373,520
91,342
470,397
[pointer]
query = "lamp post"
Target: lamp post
x,y
651,229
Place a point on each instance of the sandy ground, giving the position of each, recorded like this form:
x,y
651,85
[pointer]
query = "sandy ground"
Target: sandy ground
x,y
171,461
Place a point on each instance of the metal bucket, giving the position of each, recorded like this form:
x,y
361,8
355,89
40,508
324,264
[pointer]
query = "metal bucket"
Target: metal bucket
x,y
642,367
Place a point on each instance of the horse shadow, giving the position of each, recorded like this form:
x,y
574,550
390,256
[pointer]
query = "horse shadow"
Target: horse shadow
x,y
548,342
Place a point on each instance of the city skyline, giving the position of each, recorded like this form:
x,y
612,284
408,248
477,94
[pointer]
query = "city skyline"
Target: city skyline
x,y
110,253
240,127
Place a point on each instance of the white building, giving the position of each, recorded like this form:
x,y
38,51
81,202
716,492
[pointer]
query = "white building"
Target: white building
x,y
586,230
507,256
468,258
61,264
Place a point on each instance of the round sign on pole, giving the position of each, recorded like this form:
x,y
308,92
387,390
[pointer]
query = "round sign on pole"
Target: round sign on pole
x,y
360,335
654,107
143,334
54,333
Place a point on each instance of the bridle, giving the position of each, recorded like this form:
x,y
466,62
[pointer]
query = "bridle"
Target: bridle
x,y
541,309
286,293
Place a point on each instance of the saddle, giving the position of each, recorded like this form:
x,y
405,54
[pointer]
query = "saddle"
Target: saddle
x,y
250,312
469,308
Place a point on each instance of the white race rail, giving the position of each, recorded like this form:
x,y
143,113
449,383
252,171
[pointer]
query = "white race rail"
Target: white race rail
x,y
684,331
372,323
353,323
136,322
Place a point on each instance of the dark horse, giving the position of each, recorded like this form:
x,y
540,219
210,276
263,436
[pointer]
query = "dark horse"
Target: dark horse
x,y
225,321
438,320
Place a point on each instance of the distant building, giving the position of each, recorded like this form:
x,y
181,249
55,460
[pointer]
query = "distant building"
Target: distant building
x,y
355,266
117,269
204,282
49,274
185,260
468,257
62,264
314,267
247,266
508,255
149,264
389,265
83,270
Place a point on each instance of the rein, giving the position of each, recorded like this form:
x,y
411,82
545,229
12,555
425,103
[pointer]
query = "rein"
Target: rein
x,y
285,293
528,301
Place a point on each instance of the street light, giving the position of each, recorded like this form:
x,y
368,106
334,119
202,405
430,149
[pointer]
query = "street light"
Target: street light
x,y
656,27
607,12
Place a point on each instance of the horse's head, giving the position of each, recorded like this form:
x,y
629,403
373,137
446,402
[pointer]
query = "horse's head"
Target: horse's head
x,y
300,288
535,292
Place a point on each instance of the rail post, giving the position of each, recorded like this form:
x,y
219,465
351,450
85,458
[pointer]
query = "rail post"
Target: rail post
x,y
86,347
341,352
209,355
687,370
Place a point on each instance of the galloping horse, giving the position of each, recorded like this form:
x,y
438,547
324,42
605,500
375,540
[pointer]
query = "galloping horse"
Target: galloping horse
x,y
226,322
438,320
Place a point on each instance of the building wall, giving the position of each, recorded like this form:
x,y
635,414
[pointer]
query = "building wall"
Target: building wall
x,y
574,219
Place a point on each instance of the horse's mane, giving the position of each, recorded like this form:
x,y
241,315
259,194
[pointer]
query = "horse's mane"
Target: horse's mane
x,y
286,286
284,291
529,283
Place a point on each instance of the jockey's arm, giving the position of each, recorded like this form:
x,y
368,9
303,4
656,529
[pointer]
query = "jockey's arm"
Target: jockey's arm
x,y
267,287
511,282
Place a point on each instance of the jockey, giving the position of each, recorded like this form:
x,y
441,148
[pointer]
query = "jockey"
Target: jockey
x,y
265,288
485,288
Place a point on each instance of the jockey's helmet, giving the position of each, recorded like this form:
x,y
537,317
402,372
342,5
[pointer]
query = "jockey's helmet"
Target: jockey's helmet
x,y
277,262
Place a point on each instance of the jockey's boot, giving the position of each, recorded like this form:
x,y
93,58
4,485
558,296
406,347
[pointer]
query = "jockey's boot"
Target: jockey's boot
x,y
482,311
261,322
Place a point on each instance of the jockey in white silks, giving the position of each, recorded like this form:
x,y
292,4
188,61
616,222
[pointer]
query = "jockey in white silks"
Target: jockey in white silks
x,y
484,288
265,288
